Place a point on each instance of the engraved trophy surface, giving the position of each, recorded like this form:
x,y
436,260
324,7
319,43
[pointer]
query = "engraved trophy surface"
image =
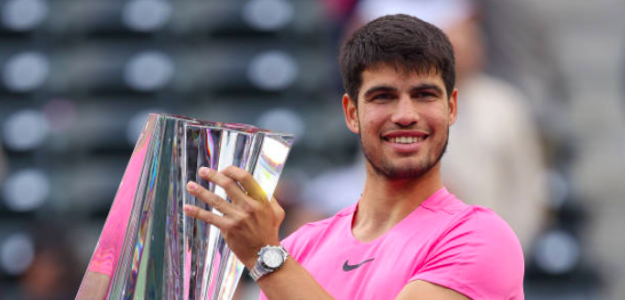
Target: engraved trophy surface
x,y
148,248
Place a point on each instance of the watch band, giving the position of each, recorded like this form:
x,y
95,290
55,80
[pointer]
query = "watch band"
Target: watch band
x,y
259,270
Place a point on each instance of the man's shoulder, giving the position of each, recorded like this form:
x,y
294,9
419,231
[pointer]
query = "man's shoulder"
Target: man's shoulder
x,y
486,220
481,222
473,227
482,252
482,235
456,214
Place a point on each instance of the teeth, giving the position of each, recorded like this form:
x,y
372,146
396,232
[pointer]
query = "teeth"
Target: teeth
x,y
406,139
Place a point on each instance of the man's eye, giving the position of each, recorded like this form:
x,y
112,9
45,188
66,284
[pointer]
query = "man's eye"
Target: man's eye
x,y
382,96
425,95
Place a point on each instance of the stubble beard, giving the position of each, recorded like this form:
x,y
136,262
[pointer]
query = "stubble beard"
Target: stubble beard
x,y
391,172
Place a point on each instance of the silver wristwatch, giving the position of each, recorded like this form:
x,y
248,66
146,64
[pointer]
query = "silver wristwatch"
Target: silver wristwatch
x,y
270,258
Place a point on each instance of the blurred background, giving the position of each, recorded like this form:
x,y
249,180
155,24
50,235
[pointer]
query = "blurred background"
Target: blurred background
x,y
540,136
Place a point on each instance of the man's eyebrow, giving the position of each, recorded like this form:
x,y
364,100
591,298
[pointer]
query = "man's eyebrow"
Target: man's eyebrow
x,y
382,88
426,86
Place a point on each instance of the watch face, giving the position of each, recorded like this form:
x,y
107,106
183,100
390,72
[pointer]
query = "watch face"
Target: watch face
x,y
272,258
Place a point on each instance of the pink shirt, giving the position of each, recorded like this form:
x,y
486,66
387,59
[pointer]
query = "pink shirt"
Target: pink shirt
x,y
465,248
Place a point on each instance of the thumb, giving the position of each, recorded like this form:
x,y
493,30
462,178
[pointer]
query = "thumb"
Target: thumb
x,y
277,209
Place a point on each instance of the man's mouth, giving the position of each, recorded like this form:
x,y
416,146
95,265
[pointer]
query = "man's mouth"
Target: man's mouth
x,y
405,139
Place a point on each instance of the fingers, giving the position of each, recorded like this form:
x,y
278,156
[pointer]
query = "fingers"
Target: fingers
x,y
232,188
210,198
206,216
248,182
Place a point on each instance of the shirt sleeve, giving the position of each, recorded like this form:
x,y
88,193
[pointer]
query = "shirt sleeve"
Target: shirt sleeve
x,y
479,256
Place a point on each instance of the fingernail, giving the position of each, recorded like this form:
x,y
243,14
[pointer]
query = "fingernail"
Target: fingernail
x,y
188,208
192,185
203,171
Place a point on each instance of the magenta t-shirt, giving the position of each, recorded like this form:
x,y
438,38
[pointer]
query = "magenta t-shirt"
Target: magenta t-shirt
x,y
465,248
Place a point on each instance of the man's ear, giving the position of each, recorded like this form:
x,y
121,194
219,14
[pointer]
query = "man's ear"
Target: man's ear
x,y
453,107
351,113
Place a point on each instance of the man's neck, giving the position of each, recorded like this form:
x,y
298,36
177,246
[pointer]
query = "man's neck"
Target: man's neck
x,y
385,202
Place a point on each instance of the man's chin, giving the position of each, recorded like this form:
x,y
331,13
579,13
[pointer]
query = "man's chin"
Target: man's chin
x,y
404,171
409,167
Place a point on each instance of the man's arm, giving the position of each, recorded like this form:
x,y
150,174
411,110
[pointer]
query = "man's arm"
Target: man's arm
x,y
294,282
423,290
251,221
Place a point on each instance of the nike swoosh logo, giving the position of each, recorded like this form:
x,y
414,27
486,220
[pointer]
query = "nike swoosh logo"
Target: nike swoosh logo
x,y
347,267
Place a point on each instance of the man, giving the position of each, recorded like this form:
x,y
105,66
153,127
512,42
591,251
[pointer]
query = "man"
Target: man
x,y
495,155
407,237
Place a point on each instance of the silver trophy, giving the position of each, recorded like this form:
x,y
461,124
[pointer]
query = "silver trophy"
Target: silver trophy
x,y
148,248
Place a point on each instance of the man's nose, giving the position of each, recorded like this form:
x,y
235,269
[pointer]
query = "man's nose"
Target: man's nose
x,y
405,113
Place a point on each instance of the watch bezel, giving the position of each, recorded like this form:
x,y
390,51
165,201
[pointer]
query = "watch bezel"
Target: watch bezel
x,y
272,250
261,269
278,249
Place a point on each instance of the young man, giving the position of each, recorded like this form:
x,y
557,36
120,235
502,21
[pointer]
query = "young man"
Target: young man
x,y
407,237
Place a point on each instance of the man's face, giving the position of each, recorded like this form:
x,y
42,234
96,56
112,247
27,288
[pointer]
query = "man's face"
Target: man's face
x,y
403,120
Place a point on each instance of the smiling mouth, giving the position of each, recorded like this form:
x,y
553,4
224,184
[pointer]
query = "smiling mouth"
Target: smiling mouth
x,y
405,139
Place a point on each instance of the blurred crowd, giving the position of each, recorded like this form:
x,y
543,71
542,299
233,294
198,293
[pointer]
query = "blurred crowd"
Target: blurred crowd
x,y
539,137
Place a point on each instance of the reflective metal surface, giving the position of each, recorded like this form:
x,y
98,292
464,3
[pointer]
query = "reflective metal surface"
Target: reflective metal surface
x,y
148,247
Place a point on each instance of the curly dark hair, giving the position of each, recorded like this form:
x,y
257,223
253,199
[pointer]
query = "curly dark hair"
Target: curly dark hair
x,y
408,43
